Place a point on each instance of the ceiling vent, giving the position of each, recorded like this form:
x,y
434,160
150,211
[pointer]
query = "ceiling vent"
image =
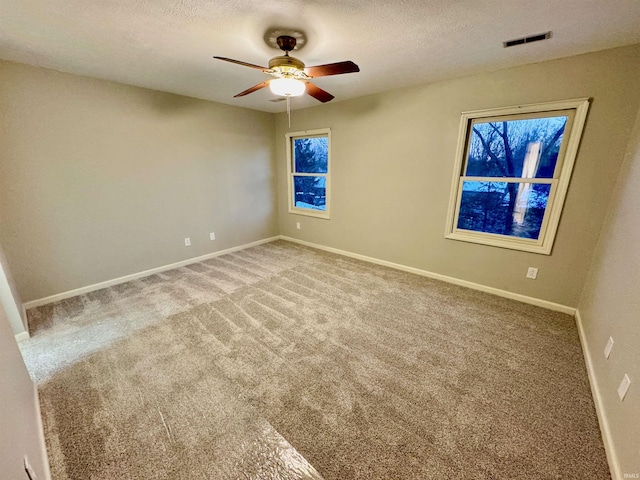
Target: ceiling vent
x,y
530,39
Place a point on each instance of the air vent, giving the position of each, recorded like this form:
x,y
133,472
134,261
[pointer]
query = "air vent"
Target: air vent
x,y
530,39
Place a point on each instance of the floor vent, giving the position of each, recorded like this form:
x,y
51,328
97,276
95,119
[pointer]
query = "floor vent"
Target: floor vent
x,y
529,39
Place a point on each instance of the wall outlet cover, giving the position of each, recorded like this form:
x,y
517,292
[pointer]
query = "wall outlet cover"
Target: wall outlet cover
x,y
187,242
212,236
624,386
608,347
532,273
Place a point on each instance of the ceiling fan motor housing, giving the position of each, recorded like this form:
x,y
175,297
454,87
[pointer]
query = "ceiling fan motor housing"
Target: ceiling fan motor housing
x,y
285,63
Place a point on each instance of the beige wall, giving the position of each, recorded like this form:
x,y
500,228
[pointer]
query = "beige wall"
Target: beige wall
x,y
100,180
20,425
610,306
392,165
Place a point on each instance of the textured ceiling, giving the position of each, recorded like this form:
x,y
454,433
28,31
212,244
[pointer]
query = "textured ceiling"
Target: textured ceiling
x,y
168,44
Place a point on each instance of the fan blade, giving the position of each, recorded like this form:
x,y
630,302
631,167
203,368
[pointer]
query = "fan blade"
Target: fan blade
x,y
332,69
264,69
252,89
317,93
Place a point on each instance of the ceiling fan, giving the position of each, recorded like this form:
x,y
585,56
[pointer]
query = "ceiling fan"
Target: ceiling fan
x,y
292,78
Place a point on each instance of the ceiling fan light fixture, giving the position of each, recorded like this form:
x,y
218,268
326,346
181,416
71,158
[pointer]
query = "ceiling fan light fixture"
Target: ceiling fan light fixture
x,y
287,87
292,77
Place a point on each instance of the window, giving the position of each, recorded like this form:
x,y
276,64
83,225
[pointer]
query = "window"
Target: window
x,y
308,166
512,173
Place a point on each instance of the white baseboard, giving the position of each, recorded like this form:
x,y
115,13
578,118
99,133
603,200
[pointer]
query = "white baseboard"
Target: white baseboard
x,y
22,336
41,439
456,281
134,276
609,448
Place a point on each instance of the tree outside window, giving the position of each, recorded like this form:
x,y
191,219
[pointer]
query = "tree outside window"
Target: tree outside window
x,y
513,170
308,164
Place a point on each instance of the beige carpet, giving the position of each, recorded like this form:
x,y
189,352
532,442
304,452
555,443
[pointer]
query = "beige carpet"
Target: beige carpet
x,y
250,365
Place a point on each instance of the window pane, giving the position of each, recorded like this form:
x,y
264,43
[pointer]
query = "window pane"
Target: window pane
x,y
310,155
514,209
515,148
310,192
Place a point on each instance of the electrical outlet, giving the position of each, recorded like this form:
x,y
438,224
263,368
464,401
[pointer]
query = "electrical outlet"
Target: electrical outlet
x,y
187,242
27,468
624,386
532,273
298,225
212,236
608,348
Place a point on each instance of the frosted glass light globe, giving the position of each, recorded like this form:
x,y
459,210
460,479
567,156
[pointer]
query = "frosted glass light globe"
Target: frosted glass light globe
x,y
287,87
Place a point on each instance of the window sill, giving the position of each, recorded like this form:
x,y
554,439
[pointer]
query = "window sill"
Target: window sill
x,y
500,241
309,213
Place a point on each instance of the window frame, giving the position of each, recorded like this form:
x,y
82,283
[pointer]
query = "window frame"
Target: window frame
x,y
559,183
291,173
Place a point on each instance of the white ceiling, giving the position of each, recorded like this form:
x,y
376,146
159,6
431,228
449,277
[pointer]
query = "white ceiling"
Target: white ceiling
x,y
168,44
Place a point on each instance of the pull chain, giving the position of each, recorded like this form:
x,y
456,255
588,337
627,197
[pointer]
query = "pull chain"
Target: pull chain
x,y
289,109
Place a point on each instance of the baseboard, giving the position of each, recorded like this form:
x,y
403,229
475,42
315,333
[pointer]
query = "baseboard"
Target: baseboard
x,y
612,458
436,276
456,281
22,336
41,439
134,276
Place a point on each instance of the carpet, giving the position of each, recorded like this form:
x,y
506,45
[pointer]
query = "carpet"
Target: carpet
x,y
285,362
